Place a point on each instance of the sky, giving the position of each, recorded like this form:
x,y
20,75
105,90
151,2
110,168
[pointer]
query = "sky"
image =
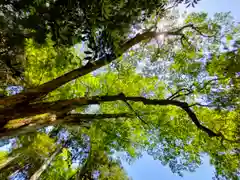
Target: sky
x,y
148,169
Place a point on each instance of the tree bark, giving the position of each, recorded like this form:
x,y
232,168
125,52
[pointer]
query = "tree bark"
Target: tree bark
x,y
74,119
19,105
53,106
12,103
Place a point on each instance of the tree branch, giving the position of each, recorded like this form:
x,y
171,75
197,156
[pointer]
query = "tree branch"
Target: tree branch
x,y
139,117
75,118
176,94
42,90
58,105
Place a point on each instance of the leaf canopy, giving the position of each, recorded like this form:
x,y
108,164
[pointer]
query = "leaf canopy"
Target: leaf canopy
x,y
172,91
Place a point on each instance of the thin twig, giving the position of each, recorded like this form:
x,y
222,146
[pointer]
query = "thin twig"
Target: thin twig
x,y
176,94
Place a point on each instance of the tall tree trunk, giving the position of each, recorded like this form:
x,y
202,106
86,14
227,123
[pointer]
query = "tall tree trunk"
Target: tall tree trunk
x,y
46,164
9,105
84,172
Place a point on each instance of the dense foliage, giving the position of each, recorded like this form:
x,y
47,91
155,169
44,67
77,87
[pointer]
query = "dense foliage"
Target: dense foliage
x,y
86,85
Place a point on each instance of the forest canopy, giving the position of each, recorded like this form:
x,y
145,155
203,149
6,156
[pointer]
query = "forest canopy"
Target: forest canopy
x,y
87,85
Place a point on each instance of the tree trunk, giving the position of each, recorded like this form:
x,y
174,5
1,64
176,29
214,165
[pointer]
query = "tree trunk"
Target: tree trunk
x,y
46,164
84,172
8,161
74,119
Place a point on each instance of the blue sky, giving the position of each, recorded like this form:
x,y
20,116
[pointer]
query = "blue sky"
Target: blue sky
x,y
148,169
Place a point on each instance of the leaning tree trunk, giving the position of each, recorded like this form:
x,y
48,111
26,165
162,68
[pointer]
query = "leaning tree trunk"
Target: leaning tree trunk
x,y
46,164
10,106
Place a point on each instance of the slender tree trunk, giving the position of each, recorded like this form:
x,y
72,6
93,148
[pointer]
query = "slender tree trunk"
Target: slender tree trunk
x,y
8,161
84,173
46,164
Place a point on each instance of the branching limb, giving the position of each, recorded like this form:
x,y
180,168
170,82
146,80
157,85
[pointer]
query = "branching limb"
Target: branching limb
x,y
177,94
131,108
35,93
190,91
83,118
197,29
161,102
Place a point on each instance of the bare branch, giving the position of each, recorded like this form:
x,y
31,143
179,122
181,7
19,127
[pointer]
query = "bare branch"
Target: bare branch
x,y
197,29
190,91
58,105
83,118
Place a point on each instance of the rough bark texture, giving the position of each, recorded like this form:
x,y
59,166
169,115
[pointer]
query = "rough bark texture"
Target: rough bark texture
x,y
32,94
30,125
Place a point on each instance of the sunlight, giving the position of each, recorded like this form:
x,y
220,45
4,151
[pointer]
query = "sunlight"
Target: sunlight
x,y
160,37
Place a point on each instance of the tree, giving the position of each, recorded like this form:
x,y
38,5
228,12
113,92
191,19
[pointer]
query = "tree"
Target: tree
x,y
57,163
68,23
45,165
107,40
29,152
191,72
99,163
